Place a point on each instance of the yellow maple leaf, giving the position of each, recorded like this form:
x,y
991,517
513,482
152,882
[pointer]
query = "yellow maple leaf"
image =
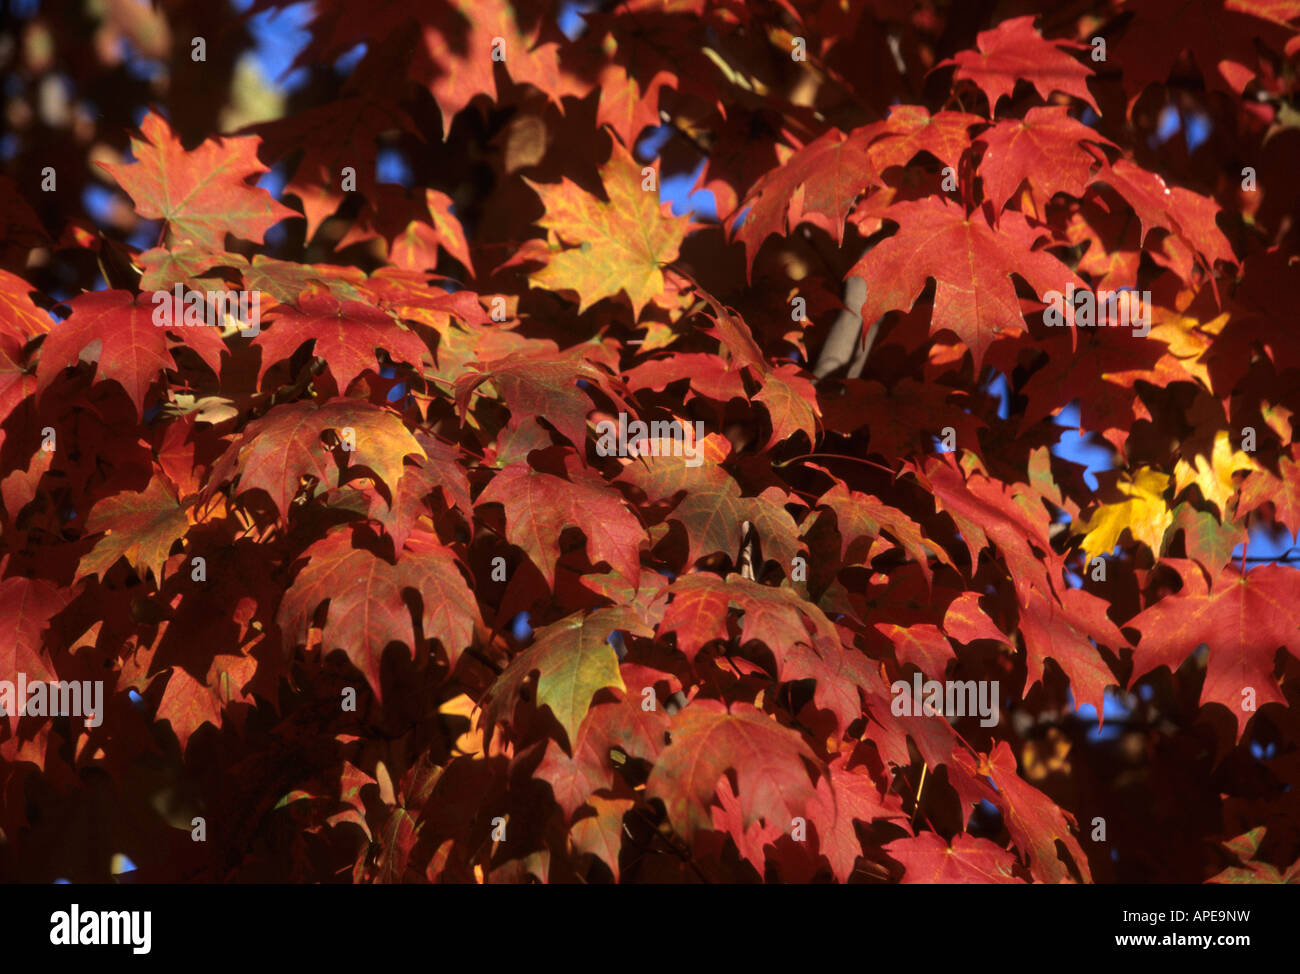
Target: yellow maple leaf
x,y
1188,339
616,246
1214,475
1145,514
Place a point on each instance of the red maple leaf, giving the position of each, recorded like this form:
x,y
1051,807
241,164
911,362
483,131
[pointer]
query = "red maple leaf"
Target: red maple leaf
x,y
927,858
771,764
1035,822
971,264
204,194
1015,51
1243,619
367,609
346,334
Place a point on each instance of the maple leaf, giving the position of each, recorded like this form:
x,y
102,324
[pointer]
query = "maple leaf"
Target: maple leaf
x,y
343,133
439,471
1015,51
574,660
911,129
1243,619
116,331
708,374
1283,490
26,607
536,385
1012,516
346,335
1047,148
1221,37
817,184
539,506
626,724
844,796
697,612
184,263
627,106
444,229
1189,215
778,617
615,246
1098,371
971,264
712,509
1056,621
407,293
1145,514
1214,476
927,858
1113,242
277,451
467,39
902,420
733,334
413,232
284,280
573,779
771,763
860,516
367,609
204,194
1251,870
17,386
791,402
932,736
1035,822
188,703
636,725
750,838
966,622
1063,626
140,526
601,834
839,675
396,841
922,645
1205,540
21,318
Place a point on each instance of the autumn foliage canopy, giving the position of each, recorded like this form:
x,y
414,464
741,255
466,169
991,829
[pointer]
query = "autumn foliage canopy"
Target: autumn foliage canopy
x,y
371,602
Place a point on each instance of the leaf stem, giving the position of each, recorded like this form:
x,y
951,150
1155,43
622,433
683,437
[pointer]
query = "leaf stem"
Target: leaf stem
x,y
835,456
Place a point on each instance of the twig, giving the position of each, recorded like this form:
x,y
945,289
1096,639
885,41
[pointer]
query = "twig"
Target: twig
x,y
683,855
